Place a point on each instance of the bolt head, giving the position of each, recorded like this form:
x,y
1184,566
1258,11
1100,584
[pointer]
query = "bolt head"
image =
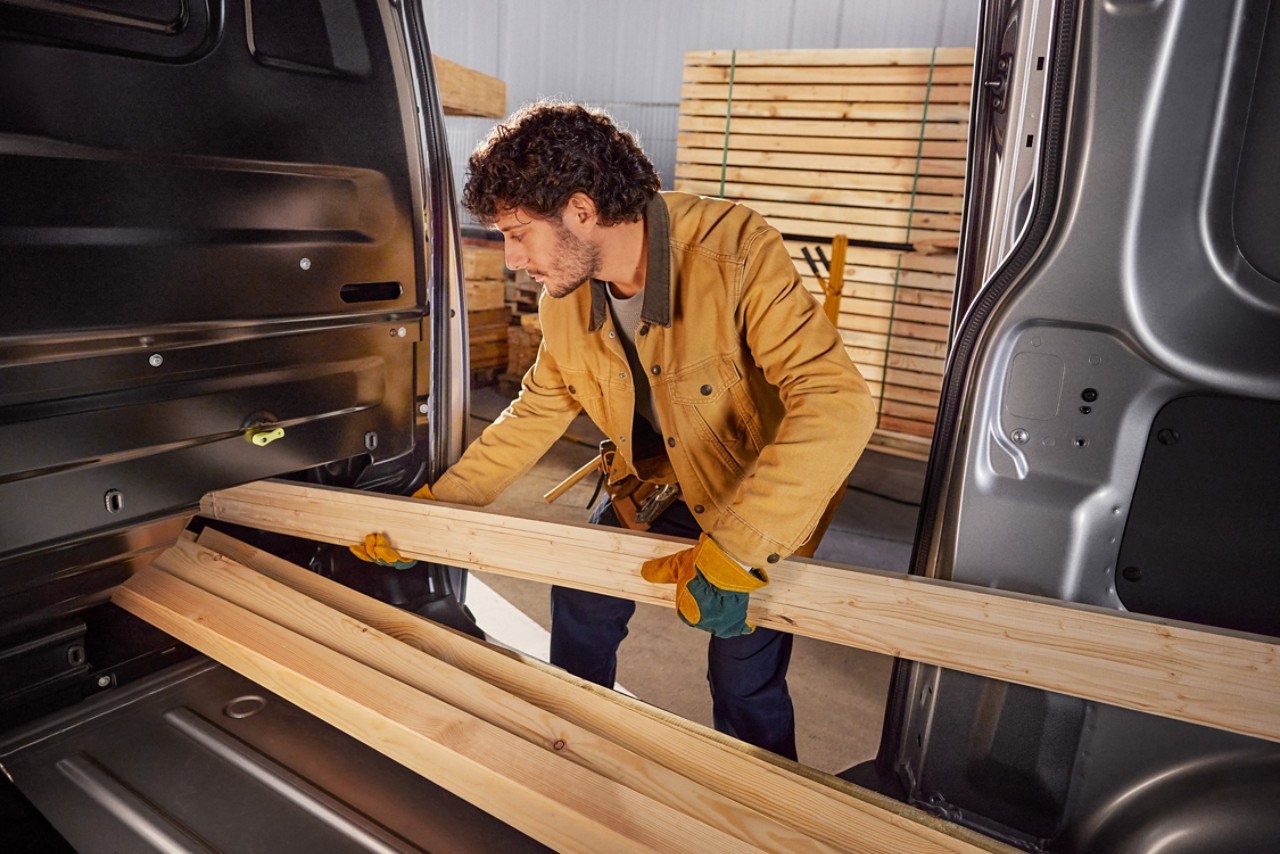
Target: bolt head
x,y
155,360
104,681
305,263
1020,436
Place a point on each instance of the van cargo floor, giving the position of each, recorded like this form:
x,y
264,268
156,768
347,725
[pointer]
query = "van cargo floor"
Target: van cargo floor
x,y
198,758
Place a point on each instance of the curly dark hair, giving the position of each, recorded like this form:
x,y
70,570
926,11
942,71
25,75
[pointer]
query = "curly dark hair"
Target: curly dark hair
x,y
549,150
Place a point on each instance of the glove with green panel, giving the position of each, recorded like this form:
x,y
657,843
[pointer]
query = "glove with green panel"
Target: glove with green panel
x,y
712,589
376,548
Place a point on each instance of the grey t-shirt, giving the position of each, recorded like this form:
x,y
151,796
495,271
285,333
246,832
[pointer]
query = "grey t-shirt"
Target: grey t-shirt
x,y
626,317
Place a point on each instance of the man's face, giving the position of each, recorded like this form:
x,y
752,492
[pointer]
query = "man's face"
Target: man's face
x,y
548,249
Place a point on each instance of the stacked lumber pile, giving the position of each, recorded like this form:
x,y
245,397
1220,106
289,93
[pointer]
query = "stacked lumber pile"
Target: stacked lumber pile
x,y
869,144
466,92
571,765
485,274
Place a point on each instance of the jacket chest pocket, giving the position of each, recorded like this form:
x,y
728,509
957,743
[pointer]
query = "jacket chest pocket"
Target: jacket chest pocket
x,y
585,387
711,398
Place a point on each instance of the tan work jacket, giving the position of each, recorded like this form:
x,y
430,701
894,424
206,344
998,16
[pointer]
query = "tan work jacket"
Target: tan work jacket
x,y
762,411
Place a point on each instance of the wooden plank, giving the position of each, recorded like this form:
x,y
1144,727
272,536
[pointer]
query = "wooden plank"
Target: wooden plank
x,y
206,568
835,214
530,788
846,74
822,195
466,92
484,294
938,168
922,239
858,110
839,56
873,93
953,149
1198,674
478,263
826,808
900,444
810,177
910,131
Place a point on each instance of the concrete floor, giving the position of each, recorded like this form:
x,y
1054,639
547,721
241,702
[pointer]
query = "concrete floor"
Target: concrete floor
x,y
839,692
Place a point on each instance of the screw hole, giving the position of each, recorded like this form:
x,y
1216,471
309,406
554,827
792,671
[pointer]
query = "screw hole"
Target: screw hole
x,y
1080,441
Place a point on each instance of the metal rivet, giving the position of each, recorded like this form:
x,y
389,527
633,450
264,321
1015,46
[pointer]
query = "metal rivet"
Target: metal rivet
x,y
706,390
400,332
114,500
423,408
698,508
644,330
572,390
612,335
104,681
773,558
305,263
1085,410
1089,395
671,442
622,374
155,360
1020,436
371,440
655,370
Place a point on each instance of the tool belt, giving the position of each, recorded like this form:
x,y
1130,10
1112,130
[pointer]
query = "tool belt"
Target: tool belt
x,y
636,502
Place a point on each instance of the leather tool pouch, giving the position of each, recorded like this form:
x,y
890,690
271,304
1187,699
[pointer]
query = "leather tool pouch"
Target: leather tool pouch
x,y
637,503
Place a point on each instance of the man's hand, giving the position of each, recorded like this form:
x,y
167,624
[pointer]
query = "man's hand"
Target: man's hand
x,y
376,548
711,587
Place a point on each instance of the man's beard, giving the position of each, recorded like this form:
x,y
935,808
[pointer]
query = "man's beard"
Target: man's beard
x,y
576,261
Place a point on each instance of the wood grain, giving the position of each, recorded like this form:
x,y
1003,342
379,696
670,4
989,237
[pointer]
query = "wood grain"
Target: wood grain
x,y
824,807
1202,675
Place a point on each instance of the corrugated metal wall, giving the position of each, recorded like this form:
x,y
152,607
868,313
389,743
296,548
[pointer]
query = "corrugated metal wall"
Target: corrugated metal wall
x,y
627,56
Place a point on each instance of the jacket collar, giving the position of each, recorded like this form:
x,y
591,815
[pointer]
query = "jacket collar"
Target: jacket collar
x,y
657,278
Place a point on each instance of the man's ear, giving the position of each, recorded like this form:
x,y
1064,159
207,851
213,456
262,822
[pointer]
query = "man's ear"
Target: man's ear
x,y
580,211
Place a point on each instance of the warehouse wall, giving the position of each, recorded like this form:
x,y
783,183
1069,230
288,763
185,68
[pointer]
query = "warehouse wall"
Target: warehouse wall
x,y
627,55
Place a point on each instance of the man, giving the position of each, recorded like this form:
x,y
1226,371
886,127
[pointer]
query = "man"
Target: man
x,y
679,324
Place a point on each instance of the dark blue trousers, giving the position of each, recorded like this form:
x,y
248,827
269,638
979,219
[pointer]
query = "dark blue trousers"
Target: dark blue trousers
x,y
747,674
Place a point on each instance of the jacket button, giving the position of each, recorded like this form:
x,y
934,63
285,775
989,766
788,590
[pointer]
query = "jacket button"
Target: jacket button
x,y
644,330
671,442
706,390
773,558
698,508
655,370
572,390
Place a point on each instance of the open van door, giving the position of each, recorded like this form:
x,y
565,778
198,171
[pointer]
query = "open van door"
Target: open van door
x,y
1109,431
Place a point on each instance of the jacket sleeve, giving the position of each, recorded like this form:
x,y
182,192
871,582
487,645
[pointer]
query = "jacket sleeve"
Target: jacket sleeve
x,y
519,437
829,413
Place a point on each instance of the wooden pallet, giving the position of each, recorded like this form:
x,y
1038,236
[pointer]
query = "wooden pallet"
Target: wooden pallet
x,y
869,144
573,766
488,317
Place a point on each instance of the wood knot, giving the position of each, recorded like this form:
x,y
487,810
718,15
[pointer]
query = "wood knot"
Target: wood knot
x,y
559,745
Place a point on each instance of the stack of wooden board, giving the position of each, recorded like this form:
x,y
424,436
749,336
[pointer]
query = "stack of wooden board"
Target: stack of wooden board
x,y
573,766
485,272
1199,674
869,144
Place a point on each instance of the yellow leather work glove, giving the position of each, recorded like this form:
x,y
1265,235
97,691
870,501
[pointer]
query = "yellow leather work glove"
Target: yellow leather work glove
x,y
376,548
712,589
